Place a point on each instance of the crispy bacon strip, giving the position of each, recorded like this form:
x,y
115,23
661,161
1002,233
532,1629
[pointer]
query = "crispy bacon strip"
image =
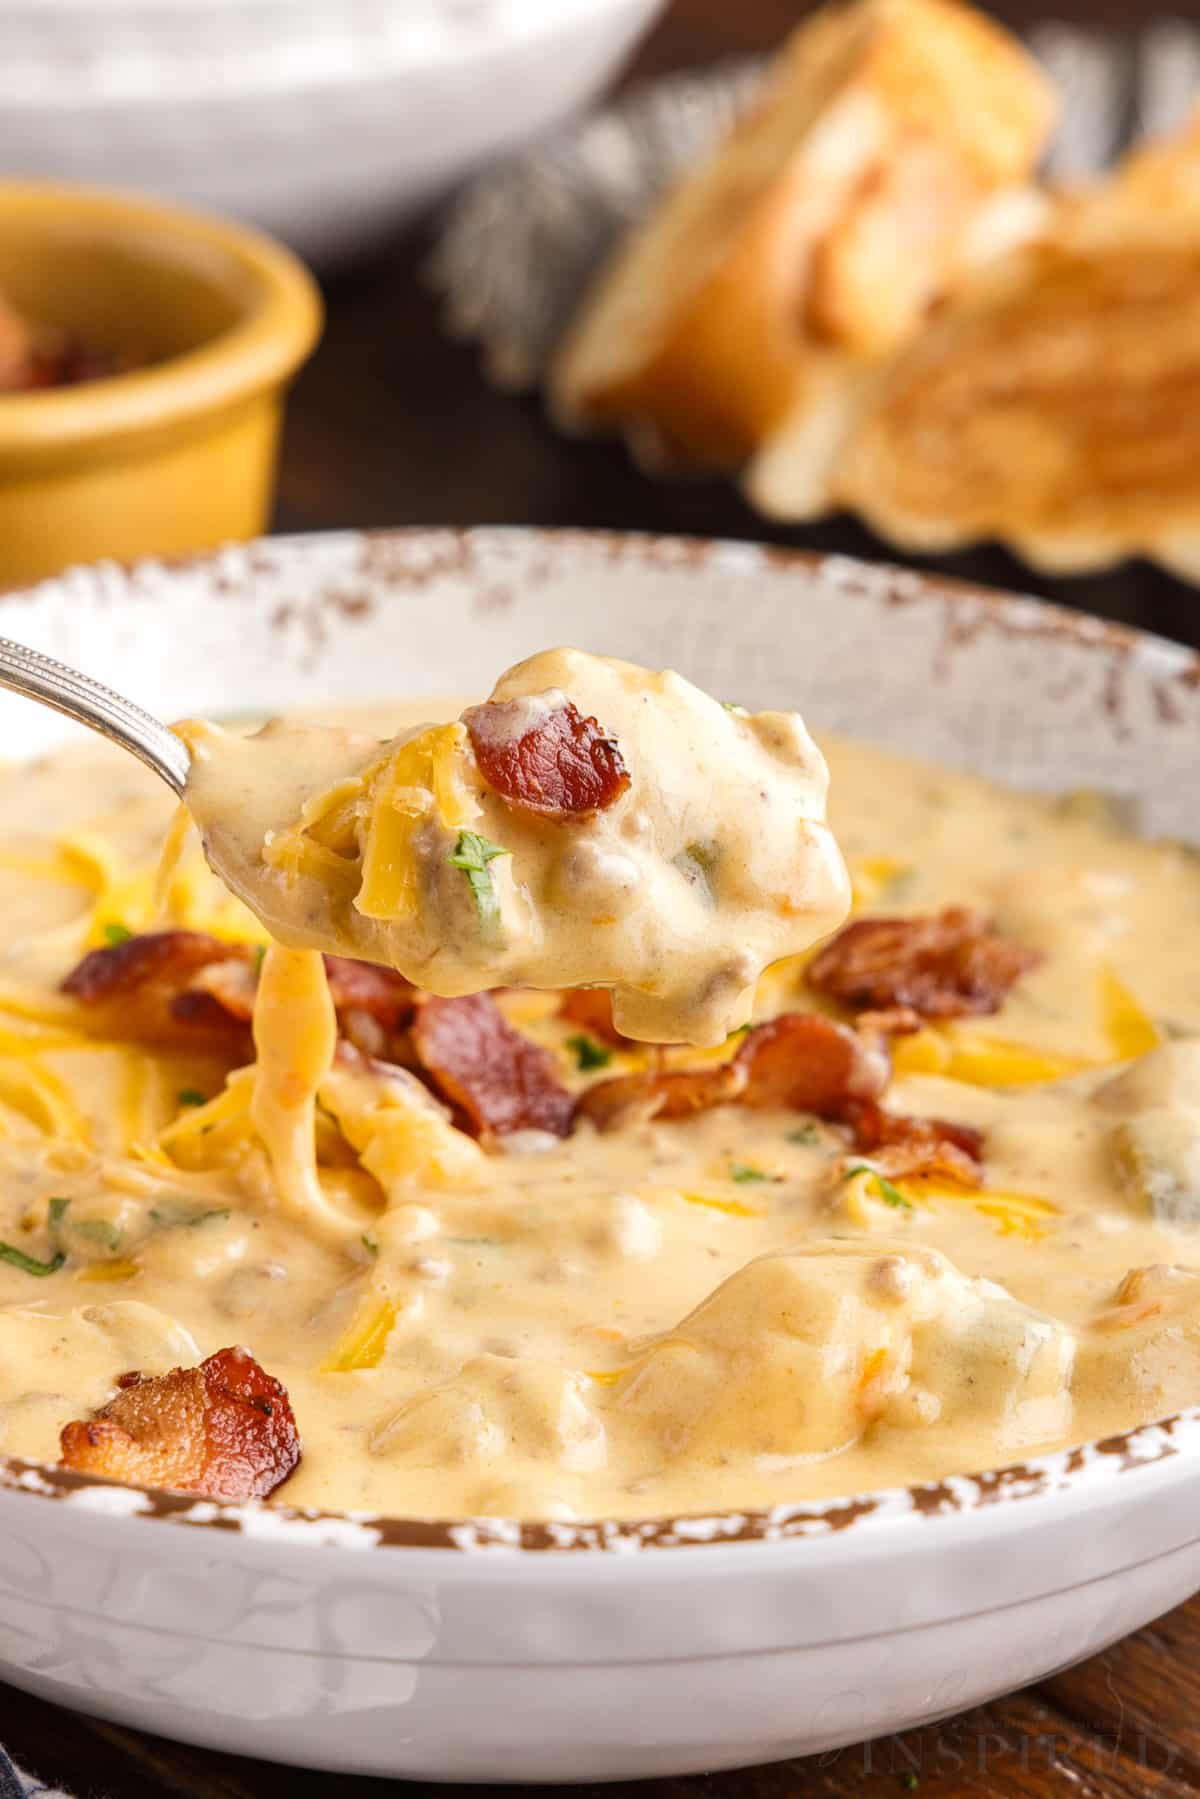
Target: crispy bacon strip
x,y
17,351
802,1062
799,1061
590,1009
900,1145
148,989
663,1094
37,357
382,993
946,966
542,755
224,1430
186,987
496,1079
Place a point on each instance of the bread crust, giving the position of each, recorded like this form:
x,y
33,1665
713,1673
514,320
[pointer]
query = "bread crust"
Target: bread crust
x,y
1055,404
789,247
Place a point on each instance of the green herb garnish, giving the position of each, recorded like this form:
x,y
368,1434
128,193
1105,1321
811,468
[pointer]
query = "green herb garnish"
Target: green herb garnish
x,y
732,706
191,1096
117,933
883,1188
370,1243
808,1133
30,1264
697,862
743,1171
588,1053
472,853
260,956
910,1781
173,1216
57,1211
98,1230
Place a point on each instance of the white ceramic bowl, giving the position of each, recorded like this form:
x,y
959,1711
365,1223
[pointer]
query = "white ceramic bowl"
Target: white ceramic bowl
x,y
324,121
489,1651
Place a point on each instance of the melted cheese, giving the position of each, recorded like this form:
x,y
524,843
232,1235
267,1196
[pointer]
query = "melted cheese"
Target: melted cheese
x,y
672,1317
295,1035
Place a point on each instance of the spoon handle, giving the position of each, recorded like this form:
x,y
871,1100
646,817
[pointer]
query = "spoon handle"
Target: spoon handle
x,y
51,683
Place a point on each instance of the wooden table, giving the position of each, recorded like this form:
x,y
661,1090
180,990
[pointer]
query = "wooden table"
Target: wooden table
x,y
392,425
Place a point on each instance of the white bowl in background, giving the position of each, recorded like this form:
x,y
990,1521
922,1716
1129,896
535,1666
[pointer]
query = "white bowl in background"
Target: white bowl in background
x,y
568,1652
324,121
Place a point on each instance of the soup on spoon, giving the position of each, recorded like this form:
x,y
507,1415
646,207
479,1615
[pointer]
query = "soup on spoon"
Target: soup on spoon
x,y
593,823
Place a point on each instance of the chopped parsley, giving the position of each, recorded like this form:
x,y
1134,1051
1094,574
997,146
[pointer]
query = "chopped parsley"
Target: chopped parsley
x,y
732,706
191,1096
98,1230
30,1264
370,1243
173,1214
882,1188
910,1782
697,863
57,1211
808,1133
260,956
472,853
115,934
744,1171
588,1053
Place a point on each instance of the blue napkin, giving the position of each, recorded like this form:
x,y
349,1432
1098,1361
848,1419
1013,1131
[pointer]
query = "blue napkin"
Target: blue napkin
x,y
15,1785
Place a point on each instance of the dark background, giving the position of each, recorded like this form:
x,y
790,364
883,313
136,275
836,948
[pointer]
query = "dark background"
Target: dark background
x,y
392,425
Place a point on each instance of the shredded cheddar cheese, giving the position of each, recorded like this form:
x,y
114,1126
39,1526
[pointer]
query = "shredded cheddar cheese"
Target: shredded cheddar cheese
x,y
295,1035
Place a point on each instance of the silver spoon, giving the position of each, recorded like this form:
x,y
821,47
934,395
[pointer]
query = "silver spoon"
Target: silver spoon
x,y
90,703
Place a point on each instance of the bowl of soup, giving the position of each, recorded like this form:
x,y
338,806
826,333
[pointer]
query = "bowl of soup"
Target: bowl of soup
x,y
594,1409
145,352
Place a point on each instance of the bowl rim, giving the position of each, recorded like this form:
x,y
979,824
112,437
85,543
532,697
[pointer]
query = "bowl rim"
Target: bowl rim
x,y
1080,1470
279,324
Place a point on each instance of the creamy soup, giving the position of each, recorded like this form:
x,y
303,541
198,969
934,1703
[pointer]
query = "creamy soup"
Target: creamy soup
x,y
728,1277
593,822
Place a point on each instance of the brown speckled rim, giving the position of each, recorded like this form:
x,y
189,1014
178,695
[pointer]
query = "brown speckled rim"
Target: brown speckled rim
x,y
1061,1472
385,560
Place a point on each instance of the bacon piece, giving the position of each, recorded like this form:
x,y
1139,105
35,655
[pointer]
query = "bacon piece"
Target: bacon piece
x,y
17,351
38,357
496,1079
799,1061
229,984
802,1062
367,990
372,1002
900,1145
184,987
224,1430
946,966
590,1009
663,1094
541,755
147,989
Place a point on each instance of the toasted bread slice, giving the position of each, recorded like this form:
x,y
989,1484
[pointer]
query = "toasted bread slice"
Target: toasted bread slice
x,y
1055,402
822,228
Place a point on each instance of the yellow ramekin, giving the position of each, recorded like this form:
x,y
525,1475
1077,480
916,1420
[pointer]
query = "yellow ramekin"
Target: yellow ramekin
x,y
173,457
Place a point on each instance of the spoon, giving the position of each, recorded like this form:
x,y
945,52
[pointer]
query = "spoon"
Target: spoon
x,y
673,880
38,677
